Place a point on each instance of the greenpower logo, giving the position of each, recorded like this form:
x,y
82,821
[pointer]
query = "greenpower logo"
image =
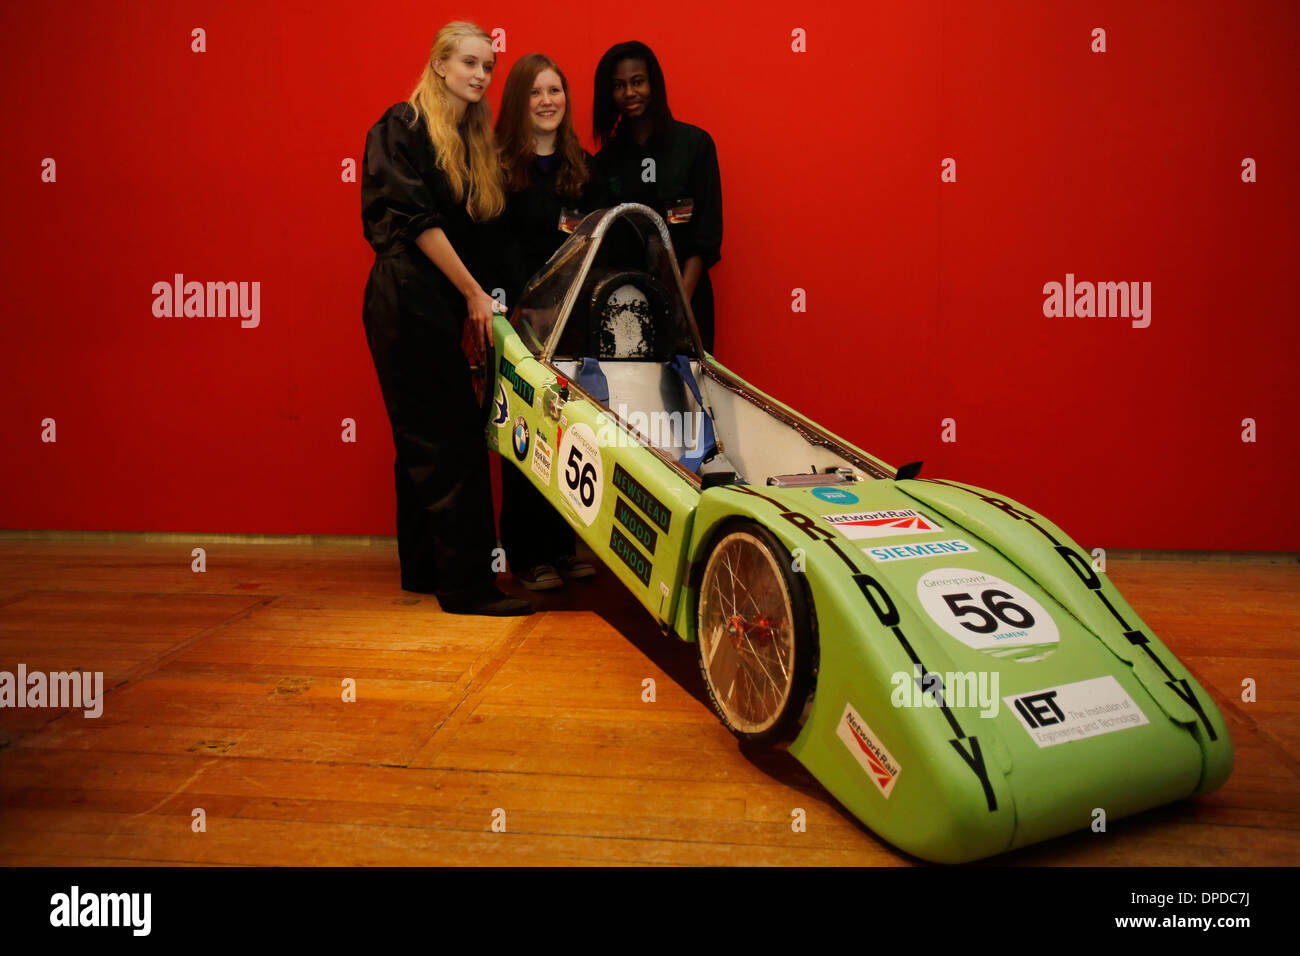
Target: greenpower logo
x,y
523,389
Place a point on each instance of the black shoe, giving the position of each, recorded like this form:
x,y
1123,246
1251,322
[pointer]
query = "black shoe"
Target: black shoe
x,y
541,578
573,568
490,603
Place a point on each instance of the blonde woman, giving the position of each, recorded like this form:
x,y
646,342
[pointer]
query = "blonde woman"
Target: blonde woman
x,y
431,180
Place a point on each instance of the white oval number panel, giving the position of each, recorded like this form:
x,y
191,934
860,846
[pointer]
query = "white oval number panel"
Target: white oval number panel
x,y
581,476
985,612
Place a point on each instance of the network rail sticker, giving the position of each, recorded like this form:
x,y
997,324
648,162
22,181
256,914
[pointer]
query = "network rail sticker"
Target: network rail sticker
x,y
1087,708
883,524
868,751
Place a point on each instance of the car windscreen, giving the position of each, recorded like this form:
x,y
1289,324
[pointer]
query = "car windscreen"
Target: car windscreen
x,y
612,291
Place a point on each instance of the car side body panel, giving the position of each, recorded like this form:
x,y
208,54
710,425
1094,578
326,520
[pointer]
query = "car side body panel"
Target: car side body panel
x,y
639,514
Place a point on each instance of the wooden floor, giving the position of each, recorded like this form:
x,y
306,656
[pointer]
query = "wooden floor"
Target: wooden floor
x,y
227,696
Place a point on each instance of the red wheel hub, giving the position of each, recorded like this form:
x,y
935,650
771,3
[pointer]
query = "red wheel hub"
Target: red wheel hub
x,y
759,630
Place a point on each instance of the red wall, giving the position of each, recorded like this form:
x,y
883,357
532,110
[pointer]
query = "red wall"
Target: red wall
x,y
925,299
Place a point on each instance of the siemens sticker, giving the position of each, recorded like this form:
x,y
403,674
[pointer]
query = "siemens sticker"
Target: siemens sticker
x,y
629,555
624,514
927,550
523,389
636,492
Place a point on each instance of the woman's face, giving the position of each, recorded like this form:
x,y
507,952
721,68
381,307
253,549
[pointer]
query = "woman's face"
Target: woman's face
x,y
468,71
631,88
546,102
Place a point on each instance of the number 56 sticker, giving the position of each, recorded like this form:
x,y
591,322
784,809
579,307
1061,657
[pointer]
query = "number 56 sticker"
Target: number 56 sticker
x,y
984,612
582,477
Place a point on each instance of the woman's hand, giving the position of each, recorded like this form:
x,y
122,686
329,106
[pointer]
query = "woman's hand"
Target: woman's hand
x,y
478,325
481,309
433,243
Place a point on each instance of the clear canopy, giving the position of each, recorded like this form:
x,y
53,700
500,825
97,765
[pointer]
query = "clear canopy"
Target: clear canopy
x,y
612,291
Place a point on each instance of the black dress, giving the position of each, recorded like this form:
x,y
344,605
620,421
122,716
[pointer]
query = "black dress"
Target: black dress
x,y
529,232
686,168
414,317
532,531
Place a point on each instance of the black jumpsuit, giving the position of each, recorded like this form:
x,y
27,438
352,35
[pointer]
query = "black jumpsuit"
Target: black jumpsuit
x,y
414,318
686,168
532,531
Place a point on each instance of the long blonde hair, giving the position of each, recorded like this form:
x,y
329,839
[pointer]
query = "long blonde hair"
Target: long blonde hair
x,y
478,183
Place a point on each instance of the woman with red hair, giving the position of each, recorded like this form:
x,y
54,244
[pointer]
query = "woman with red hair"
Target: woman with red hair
x,y
548,179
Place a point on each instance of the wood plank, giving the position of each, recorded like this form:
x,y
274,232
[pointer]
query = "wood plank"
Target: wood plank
x,y
228,696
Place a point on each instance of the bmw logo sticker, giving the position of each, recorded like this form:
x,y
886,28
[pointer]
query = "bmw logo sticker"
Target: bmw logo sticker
x,y
521,438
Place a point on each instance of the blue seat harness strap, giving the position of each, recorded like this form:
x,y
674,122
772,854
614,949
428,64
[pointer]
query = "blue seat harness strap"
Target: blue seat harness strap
x,y
691,460
591,379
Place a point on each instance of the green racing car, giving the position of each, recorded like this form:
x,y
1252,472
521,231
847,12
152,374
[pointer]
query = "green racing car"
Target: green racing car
x,y
950,664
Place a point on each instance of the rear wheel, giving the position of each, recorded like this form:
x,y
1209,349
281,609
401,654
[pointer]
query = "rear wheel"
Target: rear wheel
x,y
756,638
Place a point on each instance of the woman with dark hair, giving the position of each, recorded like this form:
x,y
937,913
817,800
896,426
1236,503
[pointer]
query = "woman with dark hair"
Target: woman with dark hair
x,y
548,179
649,157
430,179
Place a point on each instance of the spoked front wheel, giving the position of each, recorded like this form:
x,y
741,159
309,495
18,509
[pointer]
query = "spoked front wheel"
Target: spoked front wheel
x,y
755,634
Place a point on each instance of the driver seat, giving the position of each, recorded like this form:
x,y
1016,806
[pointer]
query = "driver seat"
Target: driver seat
x,y
629,322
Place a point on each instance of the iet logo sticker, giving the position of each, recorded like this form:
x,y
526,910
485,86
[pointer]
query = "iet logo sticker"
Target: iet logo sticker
x,y
520,438
836,496
1086,708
